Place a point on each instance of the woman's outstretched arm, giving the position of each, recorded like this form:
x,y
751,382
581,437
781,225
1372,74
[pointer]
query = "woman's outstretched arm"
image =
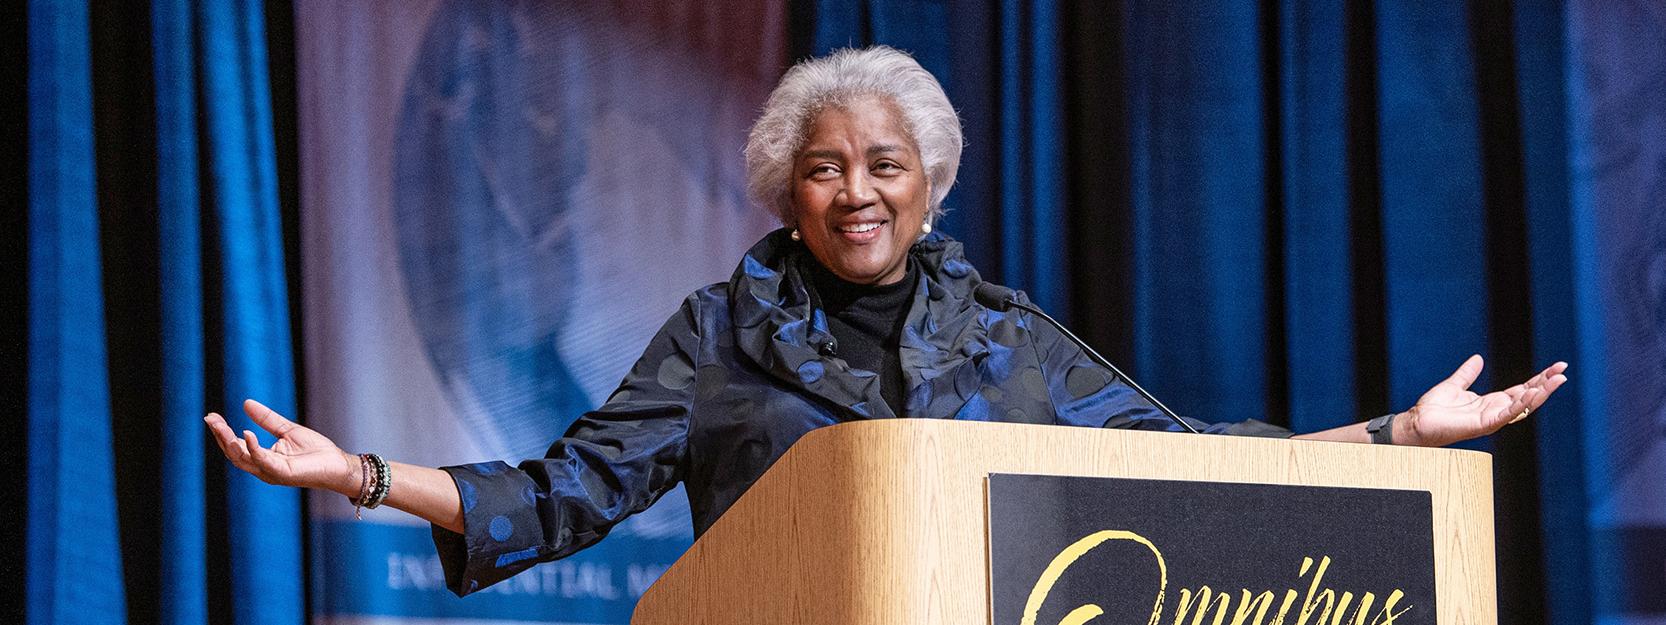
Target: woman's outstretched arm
x,y
302,457
1450,412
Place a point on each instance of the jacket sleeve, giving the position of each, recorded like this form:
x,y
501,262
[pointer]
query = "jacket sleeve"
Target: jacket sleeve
x,y
613,462
1086,394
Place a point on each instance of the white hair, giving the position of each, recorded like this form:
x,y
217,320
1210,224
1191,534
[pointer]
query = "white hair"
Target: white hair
x,y
836,80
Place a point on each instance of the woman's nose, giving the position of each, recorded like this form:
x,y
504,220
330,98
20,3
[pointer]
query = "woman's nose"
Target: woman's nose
x,y
858,191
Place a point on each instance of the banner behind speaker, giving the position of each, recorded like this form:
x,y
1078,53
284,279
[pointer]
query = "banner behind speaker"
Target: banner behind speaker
x,y
501,202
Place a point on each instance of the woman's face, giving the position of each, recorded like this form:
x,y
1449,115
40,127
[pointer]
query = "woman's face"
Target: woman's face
x,y
859,192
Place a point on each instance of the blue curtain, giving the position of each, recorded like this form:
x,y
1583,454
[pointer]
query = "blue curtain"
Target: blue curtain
x,y
255,354
1544,68
1310,212
213,278
74,572
184,376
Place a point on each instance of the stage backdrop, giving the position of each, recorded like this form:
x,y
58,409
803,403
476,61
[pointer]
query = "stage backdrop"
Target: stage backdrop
x,y
501,202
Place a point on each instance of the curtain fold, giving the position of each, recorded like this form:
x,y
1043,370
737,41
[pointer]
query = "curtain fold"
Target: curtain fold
x,y
1434,238
183,598
1542,73
263,522
198,173
1314,180
1200,252
1033,249
74,566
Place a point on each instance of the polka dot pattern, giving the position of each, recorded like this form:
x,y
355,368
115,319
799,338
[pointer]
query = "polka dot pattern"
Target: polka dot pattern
x,y
676,372
1083,381
811,371
1033,384
710,383
500,528
1006,333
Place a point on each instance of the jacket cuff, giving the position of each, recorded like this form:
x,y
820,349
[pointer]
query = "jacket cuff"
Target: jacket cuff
x,y
501,535
1249,427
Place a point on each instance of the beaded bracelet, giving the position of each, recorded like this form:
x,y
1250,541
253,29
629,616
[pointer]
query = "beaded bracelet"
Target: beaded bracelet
x,y
384,482
375,480
364,488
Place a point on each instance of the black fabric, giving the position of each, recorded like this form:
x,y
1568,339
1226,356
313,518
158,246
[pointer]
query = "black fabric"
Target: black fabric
x,y
866,322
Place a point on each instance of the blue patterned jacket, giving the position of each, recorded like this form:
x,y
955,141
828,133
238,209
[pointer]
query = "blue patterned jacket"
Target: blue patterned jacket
x,y
738,374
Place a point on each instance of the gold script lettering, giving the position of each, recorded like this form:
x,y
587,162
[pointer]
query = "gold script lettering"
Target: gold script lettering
x,y
1185,604
1333,612
1260,604
1060,562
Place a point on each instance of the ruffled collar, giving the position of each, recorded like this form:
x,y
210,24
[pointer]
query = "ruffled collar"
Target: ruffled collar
x,y
777,325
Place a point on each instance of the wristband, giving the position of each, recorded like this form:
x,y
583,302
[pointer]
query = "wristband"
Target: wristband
x,y
1381,429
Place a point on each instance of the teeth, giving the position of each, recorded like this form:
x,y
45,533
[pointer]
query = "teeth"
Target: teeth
x,y
859,227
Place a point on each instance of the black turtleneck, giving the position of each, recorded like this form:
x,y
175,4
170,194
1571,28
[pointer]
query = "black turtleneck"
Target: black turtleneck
x,y
866,322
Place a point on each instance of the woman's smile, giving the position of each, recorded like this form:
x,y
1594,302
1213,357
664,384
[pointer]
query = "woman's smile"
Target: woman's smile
x,y
862,232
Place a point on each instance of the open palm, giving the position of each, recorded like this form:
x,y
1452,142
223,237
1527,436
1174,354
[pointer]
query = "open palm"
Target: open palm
x,y
1450,412
301,457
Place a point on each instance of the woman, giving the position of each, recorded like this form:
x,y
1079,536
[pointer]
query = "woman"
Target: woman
x,y
854,310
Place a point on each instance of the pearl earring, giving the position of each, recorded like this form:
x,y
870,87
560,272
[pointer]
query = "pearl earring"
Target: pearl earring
x,y
795,236
925,228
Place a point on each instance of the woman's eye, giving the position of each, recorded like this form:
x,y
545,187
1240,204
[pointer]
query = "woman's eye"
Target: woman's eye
x,y
823,171
887,166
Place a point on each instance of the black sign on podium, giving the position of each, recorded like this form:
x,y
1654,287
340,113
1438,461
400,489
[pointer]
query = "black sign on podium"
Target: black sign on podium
x,y
1074,550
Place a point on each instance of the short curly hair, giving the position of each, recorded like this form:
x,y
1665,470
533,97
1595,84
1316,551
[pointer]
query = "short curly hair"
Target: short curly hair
x,y
836,80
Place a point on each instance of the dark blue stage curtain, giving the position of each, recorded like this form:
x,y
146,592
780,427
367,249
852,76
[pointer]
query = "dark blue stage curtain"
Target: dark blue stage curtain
x,y
263,523
219,276
1310,212
73,561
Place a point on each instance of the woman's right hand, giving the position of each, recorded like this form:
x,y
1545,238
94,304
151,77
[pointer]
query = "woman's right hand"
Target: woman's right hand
x,y
301,457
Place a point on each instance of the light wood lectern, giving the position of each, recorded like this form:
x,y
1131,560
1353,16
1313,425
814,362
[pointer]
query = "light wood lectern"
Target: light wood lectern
x,y
884,521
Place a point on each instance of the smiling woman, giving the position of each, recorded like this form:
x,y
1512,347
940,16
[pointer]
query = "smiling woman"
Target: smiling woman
x,y
859,192
855,311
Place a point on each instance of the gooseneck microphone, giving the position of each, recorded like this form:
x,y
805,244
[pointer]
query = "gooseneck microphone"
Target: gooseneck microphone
x,y
999,298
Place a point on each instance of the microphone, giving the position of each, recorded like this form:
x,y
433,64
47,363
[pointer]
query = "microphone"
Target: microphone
x,y
1001,299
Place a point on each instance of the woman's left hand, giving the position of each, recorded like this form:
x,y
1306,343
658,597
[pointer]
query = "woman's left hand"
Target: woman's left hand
x,y
1450,412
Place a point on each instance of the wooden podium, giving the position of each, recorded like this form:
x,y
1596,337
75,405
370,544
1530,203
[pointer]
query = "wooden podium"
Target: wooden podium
x,y
885,521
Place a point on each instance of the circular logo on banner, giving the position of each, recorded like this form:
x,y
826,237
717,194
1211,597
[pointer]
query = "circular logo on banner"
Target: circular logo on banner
x,y
487,150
